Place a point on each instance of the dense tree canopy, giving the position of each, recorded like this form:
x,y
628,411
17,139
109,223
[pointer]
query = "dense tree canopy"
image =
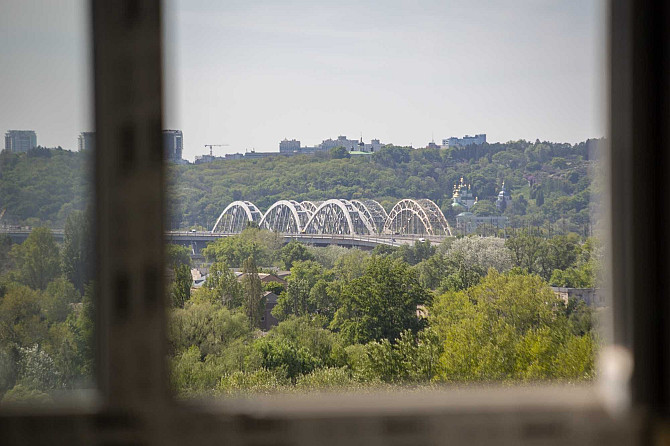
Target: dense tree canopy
x,y
553,178
38,259
510,326
381,303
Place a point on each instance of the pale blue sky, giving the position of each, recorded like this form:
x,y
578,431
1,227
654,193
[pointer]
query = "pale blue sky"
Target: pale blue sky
x,y
250,73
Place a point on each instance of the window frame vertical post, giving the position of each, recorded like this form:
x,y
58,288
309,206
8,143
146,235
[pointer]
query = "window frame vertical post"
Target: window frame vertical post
x,y
129,185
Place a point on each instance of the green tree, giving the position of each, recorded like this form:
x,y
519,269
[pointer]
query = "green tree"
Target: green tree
x,y
351,265
225,287
413,254
77,250
297,299
381,303
412,358
6,263
431,271
22,321
37,259
22,395
253,303
261,245
82,326
293,302
339,153
485,208
180,289
209,327
274,287
509,327
526,250
58,299
293,252
468,259
580,316
177,255
324,297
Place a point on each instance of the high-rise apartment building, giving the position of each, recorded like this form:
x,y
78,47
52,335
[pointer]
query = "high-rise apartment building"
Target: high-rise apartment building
x,y
289,146
86,141
341,141
20,140
173,144
464,141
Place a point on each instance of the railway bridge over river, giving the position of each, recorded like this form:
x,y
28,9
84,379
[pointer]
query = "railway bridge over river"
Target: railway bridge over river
x,y
351,223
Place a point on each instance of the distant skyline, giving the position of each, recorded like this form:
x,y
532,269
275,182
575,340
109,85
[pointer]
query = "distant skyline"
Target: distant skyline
x,y
250,74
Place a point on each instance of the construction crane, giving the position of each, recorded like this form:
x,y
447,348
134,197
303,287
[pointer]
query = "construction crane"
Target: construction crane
x,y
214,145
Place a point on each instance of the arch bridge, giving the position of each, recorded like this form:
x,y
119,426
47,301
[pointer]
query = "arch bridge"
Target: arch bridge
x,y
337,217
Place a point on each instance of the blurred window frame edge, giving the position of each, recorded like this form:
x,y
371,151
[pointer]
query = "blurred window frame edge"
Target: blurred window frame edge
x,y
134,402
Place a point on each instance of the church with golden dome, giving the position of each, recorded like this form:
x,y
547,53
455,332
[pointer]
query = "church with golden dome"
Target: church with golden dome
x,y
462,199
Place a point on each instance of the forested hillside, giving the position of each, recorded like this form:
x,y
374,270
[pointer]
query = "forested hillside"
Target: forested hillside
x,y
43,186
549,182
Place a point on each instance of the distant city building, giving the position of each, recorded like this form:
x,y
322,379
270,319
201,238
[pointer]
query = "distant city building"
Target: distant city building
x,y
467,222
374,146
464,141
432,145
341,141
503,198
86,141
350,144
20,141
253,154
173,144
204,159
291,146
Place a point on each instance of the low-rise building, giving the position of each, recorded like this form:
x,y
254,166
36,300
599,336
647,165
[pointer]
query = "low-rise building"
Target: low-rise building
x,y
264,277
591,296
464,141
467,222
268,320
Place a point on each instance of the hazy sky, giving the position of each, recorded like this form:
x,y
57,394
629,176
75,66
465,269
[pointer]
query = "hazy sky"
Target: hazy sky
x,y
251,73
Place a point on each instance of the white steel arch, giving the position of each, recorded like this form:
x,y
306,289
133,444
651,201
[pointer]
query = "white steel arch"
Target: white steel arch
x,y
236,216
310,206
285,216
338,217
373,212
437,218
416,217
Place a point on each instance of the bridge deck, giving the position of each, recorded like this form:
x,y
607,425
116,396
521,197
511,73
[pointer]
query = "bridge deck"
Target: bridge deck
x,y
201,238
